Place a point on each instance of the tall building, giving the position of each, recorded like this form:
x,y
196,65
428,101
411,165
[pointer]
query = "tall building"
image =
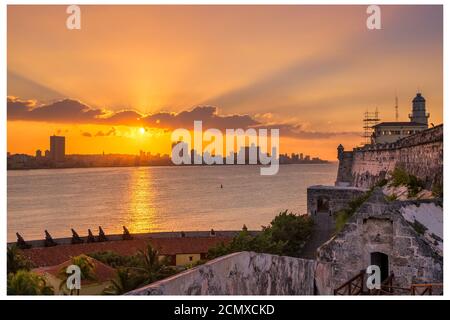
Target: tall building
x,y
389,132
57,148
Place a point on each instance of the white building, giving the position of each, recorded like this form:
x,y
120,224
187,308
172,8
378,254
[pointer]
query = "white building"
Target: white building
x,y
388,132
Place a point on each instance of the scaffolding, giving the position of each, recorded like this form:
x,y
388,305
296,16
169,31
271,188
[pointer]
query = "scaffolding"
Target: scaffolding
x,y
370,119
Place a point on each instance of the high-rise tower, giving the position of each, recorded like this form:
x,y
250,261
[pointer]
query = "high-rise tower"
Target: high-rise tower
x,y
57,148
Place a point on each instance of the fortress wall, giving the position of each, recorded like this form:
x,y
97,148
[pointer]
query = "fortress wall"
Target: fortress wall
x,y
241,273
420,154
379,227
336,198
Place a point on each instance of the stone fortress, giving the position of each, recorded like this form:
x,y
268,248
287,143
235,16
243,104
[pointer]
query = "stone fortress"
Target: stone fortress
x,y
383,232
402,236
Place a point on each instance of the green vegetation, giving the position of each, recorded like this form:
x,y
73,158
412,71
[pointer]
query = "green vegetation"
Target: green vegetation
x,y
381,183
16,260
341,219
419,228
125,281
391,197
152,269
195,264
87,271
135,271
25,282
286,235
21,281
114,259
402,178
343,215
438,190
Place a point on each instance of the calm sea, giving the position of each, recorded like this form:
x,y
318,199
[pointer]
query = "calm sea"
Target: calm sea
x,y
150,199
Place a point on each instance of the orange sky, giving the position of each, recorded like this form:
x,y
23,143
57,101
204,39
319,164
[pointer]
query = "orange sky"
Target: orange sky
x,y
313,70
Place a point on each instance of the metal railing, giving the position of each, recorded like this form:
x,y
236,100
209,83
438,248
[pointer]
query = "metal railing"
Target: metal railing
x,y
355,286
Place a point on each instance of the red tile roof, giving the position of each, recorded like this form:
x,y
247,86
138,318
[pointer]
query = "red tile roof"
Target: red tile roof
x,y
51,256
102,271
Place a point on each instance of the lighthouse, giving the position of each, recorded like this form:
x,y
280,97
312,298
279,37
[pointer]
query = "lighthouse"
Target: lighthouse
x,y
419,114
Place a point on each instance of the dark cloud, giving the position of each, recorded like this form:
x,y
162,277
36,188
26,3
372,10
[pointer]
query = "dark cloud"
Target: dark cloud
x,y
18,109
63,111
297,131
207,114
86,134
105,134
73,111
128,117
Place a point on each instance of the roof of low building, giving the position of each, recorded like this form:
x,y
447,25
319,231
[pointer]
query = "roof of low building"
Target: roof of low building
x,y
102,271
50,256
399,124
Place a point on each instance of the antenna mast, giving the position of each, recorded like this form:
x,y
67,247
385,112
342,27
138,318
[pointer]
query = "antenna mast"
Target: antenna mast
x,y
396,108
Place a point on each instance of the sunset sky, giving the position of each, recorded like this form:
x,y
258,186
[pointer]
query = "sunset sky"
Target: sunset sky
x,y
311,71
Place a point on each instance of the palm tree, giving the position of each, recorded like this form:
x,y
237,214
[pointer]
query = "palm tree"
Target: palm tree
x,y
125,281
16,260
87,270
151,267
25,282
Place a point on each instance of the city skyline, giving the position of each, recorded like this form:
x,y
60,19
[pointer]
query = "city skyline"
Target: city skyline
x,y
55,157
123,88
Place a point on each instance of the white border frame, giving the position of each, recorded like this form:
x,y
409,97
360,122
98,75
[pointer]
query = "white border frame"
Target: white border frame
x,y
3,147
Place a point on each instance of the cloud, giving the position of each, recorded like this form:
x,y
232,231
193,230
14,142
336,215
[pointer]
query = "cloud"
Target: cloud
x,y
76,112
126,117
18,108
108,133
62,111
86,134
207,114
298,132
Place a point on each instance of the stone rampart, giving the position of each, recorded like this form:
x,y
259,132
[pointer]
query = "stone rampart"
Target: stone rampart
x,y
241,273
420,154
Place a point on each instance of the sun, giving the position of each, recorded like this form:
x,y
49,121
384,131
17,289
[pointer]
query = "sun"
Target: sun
x,y
141,130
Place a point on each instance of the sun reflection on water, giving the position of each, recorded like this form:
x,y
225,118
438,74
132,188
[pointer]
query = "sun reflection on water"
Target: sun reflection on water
x,y
142,216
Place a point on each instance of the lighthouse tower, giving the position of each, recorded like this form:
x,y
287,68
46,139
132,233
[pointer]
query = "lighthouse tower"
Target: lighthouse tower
x,y
419,114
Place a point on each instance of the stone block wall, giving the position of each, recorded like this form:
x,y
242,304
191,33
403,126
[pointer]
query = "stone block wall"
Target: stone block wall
x,y
377,227
241,273
344,174
420,154
337,198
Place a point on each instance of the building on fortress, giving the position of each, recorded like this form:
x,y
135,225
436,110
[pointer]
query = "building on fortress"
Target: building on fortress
x,y
389,132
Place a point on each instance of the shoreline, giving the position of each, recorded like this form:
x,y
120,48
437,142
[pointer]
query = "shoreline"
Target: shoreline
x,y
40,243
168,165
